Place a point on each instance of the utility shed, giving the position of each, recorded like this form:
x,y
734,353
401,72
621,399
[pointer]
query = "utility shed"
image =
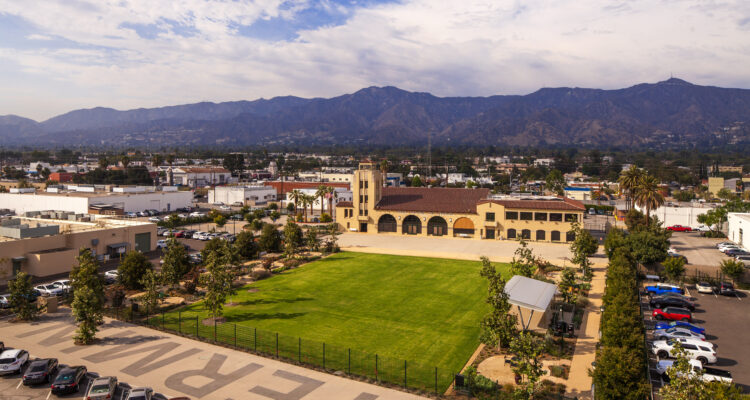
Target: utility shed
x,y
531,299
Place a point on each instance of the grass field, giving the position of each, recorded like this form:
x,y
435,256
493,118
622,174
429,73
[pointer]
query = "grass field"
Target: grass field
x,y
424,310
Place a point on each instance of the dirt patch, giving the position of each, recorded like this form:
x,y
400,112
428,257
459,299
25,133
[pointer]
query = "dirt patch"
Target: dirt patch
x,y
252,290
212,321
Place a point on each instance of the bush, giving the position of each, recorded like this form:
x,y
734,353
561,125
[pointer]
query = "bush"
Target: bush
x,y
559,371
278,270
712,234
260,273
326,218
190,287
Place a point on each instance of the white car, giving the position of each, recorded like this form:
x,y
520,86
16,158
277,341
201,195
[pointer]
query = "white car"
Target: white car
x,y
49,289
154,219
111,275
677,332
725,247
12,361
140,393
161,244
707,374
5,301
63,284
196,214
723,244
183,216
225,208
702,228
695,350
705,287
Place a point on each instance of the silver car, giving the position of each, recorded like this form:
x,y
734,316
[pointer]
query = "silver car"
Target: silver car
x,y
140,393
102,388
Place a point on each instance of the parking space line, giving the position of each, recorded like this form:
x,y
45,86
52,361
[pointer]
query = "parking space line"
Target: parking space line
x,y
48,395
20,381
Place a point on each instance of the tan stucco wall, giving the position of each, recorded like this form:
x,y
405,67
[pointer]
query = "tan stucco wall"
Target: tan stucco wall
x,y
41,262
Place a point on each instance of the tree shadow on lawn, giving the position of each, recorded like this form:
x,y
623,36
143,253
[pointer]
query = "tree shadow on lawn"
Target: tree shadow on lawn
x,y
249,316
256,302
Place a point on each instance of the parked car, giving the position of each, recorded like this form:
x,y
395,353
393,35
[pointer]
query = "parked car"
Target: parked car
x,y
727,289
671,301
111,275
728,247
154,219
12,361
672,313
49,289
5,301
153,212
225,208
236,217
702,228
102,388
40,371
183,216
161,244
68,380
743,257
140,393
678,256
705,287
197,214
661,288
736,252
196,258
724,244
679,228
677,332
707,374
197,235
702,353
681,324
179,234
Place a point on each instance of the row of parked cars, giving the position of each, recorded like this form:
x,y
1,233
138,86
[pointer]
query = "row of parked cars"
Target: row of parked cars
x,y
735,251
191,234
65,379
673,312
56,288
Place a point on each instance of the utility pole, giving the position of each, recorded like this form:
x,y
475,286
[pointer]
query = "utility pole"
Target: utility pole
x,y
429,154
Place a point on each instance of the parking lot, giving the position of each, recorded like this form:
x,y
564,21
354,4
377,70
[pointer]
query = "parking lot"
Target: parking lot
x,y
726,321
698,250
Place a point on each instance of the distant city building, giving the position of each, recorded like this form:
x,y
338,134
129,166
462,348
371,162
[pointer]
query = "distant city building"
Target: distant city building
x,y
273,169
544,162
578,193
201,176
242,195
730,168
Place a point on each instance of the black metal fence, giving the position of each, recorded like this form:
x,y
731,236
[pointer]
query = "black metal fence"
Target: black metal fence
x,y
398,372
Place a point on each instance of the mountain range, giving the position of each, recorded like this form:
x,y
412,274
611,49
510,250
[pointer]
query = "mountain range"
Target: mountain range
x,y
671,113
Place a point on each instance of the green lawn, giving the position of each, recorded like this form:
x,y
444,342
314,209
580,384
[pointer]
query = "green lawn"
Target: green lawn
x,y
424,310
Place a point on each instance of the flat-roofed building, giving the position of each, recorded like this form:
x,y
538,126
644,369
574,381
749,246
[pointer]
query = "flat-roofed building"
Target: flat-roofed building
x,y
244,195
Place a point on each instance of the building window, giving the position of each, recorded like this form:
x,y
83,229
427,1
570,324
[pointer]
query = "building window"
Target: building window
x,y
526,216
526,234
540,216
365,198
555,236
511,233
541,235
511,215
570,236
360,211
571,217
490,216
360,198
366,212
557,217
490,234
366,184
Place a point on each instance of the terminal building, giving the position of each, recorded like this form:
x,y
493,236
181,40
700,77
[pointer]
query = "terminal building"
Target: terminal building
x,y
468,213
85,199
46,246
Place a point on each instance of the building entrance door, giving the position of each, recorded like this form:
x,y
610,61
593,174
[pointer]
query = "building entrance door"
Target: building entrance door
x,y
363,226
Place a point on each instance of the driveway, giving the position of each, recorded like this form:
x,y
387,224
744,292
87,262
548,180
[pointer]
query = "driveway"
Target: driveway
x,y
448,247
176,366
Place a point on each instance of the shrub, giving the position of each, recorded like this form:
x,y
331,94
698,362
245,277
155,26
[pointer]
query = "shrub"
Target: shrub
x,y
278,270
559,371
190,287
260,273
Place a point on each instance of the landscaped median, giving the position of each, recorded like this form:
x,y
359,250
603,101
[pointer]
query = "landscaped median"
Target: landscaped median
x,y
406,321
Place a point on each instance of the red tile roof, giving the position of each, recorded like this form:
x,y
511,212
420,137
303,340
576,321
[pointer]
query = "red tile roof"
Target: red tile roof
x,y
564,204
420,199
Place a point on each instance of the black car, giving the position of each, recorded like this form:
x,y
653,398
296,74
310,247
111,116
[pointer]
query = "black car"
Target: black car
x,y
726,289
68,380
671,301
40,371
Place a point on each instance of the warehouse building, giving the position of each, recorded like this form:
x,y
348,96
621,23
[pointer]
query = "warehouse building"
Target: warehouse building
x,y
242,195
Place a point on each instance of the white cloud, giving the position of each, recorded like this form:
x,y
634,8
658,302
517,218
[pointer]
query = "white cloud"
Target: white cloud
x,y
472,47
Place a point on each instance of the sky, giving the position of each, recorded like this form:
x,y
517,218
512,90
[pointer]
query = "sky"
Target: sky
x,y
60,55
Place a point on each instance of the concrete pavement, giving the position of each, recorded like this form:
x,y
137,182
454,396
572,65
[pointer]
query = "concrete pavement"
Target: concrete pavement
x,y
179,366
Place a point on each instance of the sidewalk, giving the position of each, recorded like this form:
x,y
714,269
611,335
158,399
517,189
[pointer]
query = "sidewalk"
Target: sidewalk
x,y
579,382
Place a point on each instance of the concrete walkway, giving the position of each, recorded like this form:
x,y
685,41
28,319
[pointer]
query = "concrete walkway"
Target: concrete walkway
x,y
178,366
579,381
448,247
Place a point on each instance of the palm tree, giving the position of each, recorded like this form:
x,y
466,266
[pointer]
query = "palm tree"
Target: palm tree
x,y
629,181
156,160
384,166
321,193
311,203
295,196
170,159
332,195
303,200
647,194
125,161
103,162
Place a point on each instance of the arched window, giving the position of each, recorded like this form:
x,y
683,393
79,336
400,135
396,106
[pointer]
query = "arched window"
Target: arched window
x,y
555,236
511,233
387,223
541,235
570,236
437,226
526,234
463,226
411,225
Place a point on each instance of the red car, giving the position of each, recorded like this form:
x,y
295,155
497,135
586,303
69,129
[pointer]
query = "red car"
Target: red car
x,y
672,313
179,234
680,228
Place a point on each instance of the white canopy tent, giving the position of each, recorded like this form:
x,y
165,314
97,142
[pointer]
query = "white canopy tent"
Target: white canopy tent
x,y
530,294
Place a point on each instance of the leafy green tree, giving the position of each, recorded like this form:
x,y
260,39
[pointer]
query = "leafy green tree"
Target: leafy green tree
x,y
674,268
176,263
269,239
220,220
499,326
290,208
733,269
524,262
416,181
218,279
687,383
649,247
326,218
21,291
150,283
555,182
274,215
726,194
132,268
292,238
528,349
583,247
245,245
568,285
332,230
313,243
616,238
88,297
235,163
619,374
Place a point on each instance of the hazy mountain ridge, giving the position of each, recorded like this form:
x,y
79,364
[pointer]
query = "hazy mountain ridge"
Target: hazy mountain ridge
x,y
672,111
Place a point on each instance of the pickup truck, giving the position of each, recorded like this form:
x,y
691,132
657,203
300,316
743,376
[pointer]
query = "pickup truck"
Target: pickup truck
x,y
661,288
709,374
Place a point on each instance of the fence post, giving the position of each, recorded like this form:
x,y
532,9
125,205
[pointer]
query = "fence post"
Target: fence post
x,y
255,340
162,320
299,350
235,335
277,344
376,367
404,374
197,332
179,321
436,380
349,362
214,329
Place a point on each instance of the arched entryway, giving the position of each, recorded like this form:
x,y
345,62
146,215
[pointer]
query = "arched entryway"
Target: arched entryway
x,y
411,225
387,223
555,236
526,234
541,235
463,227
511,233
437,226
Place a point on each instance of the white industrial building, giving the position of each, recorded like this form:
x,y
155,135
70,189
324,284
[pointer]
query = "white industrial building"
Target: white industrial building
x,y
79,199
679,215
739,223
245,195
341,195
200,176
